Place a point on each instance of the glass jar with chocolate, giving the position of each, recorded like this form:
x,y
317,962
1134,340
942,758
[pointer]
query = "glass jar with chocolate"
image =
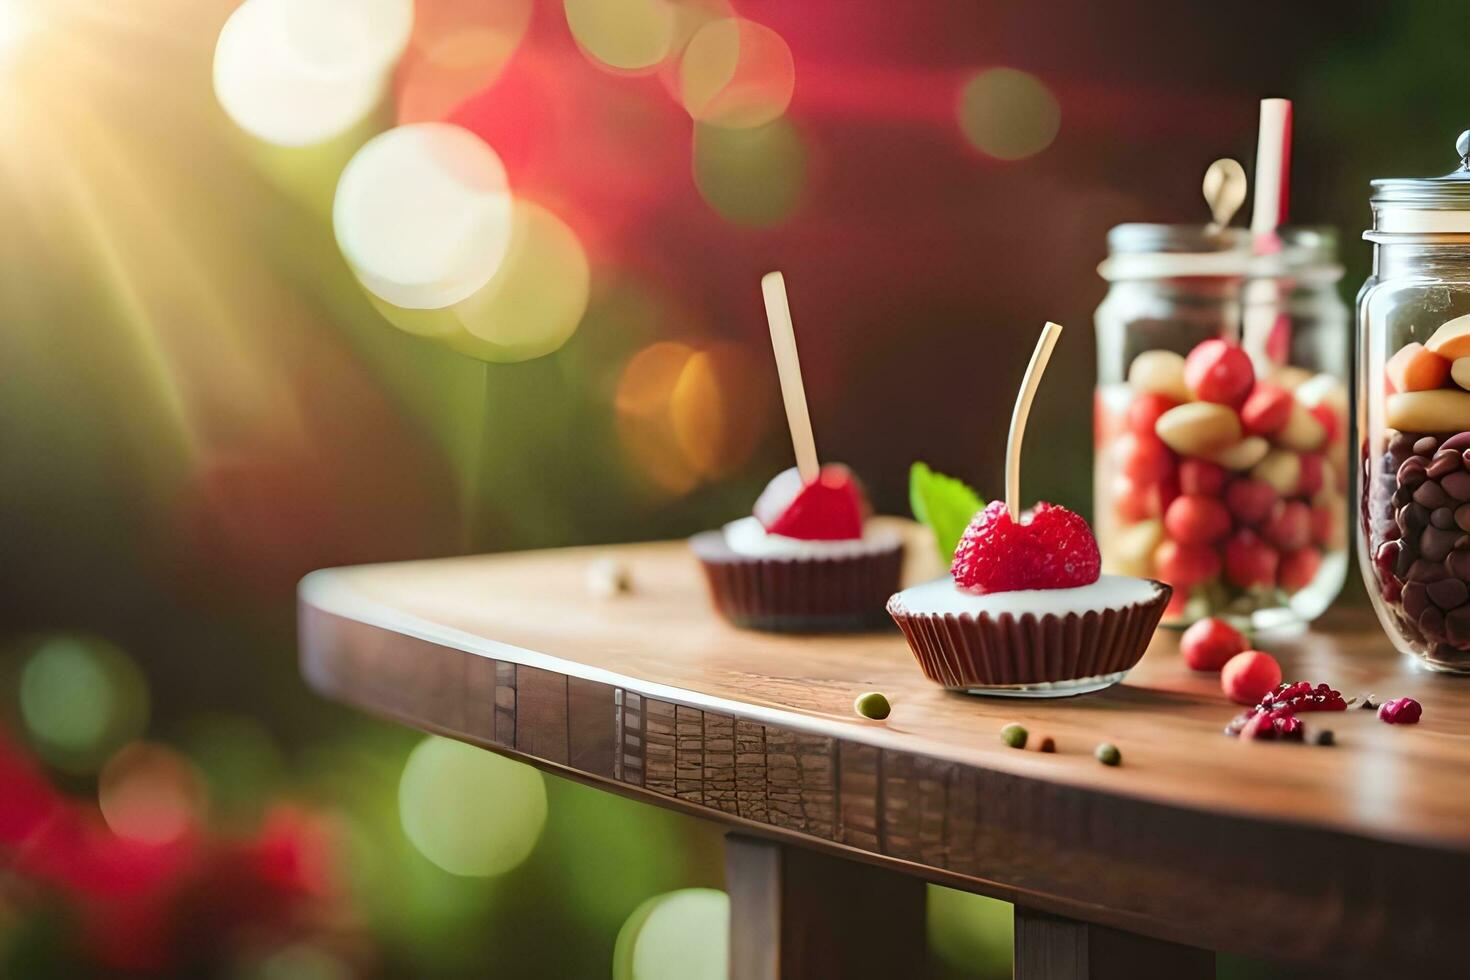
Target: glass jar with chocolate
x,y
1220,420
1413,414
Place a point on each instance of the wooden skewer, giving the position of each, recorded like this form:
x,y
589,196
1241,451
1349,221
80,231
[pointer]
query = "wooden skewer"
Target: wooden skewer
x,y
1029,384
788,366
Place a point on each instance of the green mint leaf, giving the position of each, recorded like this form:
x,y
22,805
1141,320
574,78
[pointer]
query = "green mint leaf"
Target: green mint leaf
x,y
945,504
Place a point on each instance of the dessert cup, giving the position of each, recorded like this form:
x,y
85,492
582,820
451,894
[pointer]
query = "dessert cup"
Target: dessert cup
x,y
1038,643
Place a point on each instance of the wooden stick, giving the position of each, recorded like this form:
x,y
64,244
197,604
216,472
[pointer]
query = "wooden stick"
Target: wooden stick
x,y
1029,384
788,366
1273,167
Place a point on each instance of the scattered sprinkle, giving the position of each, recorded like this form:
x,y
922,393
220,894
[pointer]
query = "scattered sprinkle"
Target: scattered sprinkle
x,y
1107,753
1048,744
872,705
608,577
1014,736
1325,737
1368,704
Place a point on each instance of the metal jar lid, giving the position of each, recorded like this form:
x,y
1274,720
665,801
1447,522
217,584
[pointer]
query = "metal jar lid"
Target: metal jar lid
x,y
1423,206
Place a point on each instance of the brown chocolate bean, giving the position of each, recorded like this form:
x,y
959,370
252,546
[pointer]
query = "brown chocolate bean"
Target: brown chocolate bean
x,y
1466,457
1435,544
1462,517
1457,485
1415,599
1431,623
1457,626
1426,446
1442,517
1458,564
1447,594
1459,441
1431,495
1402,496
1443,464
1413,472
1426,571
1403,443
1404,562
1412,519
1462,542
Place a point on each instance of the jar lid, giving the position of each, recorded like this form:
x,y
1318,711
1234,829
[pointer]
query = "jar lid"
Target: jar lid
x,y
1424,205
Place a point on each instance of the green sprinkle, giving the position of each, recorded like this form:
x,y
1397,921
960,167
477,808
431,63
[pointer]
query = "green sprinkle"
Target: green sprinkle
x,y
1014,736
872,705
1107,753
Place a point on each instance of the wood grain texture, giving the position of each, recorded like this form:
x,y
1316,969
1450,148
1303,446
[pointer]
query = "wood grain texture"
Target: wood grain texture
x,y
1288,851
1064,949
796,913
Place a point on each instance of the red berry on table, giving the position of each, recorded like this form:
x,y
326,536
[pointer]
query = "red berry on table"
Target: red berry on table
x,y
1145,410
1247,677
1209,643
1144,458
1185,565
1266,410
830,508
1217,371
1249,561
1250,500
1051,548
1196,519
1200,476
1400,711
1299,569
1289,527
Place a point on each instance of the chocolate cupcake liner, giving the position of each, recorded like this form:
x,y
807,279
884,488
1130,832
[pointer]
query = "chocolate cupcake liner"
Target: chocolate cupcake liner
x,y
799,594
964,651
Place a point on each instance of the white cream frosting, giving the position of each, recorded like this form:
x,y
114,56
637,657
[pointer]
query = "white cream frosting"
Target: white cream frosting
x,y
748,537
942,597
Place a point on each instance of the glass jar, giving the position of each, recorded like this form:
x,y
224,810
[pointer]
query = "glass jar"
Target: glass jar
x,y
1240,504
1413,415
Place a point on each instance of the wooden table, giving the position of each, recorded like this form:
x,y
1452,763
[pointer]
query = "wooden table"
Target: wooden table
x,y
1354,857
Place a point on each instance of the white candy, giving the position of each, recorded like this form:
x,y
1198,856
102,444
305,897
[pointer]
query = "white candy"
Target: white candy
x,y
1241,456
1460,371
1282,469
1441,410
1160,372
1133,549
1302,431
1199,428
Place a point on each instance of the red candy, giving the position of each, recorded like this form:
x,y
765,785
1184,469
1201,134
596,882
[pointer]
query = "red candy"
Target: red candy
x,y
1185,565
1199,476
1145,410
1144,458
1266,410
1250,500
1330,423
1290,526
1055,549
1400,711
1217,371
1299,569
1210,643
1196,519
1249,561
1249,676
1310,480
830,508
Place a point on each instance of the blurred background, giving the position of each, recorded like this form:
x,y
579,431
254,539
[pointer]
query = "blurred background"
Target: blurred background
x,y
527,315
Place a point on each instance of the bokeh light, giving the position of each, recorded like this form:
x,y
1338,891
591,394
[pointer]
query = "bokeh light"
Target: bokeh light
x,y
970,934
751,177
238,760
149,793
457,49
680,935
300,961
471,812
345,38
81,698
736,73
645,426
423,215
531,306
1008,114
271,91
626,35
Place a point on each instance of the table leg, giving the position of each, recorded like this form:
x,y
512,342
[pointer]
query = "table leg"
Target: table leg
x,y
796,913
1054,948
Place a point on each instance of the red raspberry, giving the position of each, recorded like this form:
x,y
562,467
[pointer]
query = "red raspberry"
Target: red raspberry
x,y
1209,643
1400,711
1221,372
1051,548
830,508
1248,676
